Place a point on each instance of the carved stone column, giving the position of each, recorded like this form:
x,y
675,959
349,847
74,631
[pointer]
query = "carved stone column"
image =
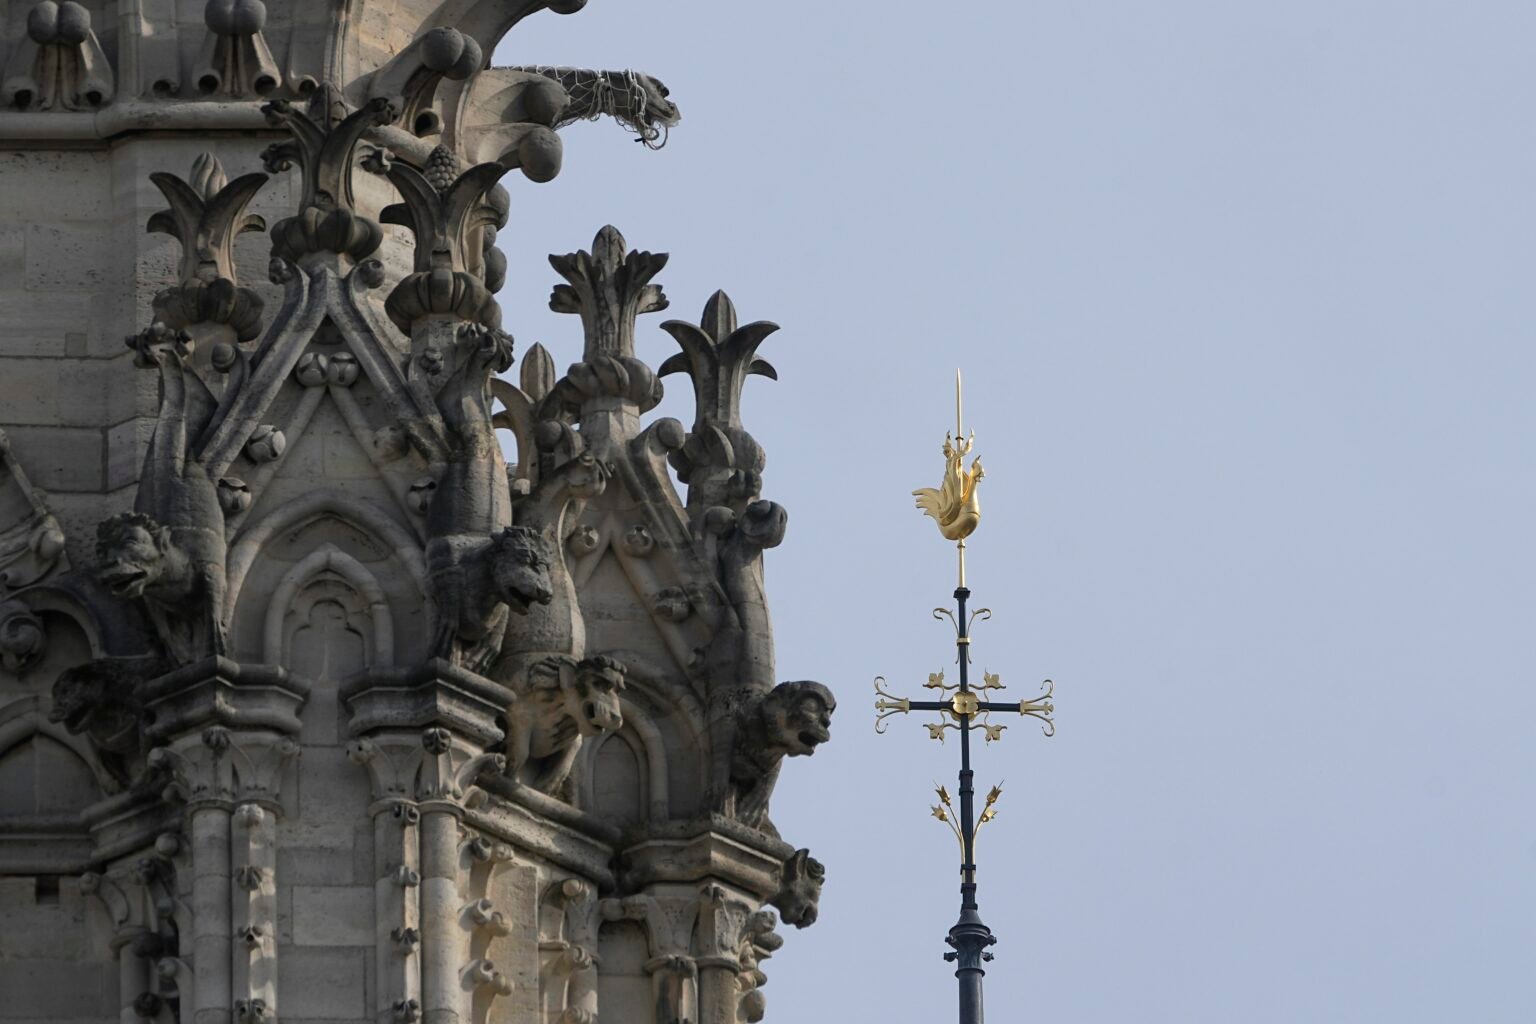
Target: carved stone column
x,y
431,877
227,777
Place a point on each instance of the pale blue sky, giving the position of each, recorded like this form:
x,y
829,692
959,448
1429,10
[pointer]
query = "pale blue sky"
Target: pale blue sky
x,y
1243,293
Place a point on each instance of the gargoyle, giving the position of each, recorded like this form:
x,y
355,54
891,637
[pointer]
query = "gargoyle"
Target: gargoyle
x,y
101,701
637,101
169,552
791,720
563,702
800,889
740,661
475,580
476,572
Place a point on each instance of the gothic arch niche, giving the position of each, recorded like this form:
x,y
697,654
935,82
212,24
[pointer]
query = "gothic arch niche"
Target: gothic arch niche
x,y
328,618
616,785
326,592
46,784
666,736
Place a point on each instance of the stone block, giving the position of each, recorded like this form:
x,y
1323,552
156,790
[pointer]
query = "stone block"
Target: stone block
x,y
322,983
322,854
13,255
126,444
65,257
51,989
71,184
41,930
333,915
329,781
57,458
69,392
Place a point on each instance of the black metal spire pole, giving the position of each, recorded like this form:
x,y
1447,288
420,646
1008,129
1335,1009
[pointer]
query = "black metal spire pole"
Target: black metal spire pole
x,y
969,936
954,506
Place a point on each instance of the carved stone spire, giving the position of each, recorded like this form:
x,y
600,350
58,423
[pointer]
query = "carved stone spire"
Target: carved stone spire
x,y
324,139
721,463
449,214
608,288
205,216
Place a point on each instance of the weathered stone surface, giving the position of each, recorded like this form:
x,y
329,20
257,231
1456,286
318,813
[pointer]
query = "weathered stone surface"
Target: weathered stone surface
x,y
313,707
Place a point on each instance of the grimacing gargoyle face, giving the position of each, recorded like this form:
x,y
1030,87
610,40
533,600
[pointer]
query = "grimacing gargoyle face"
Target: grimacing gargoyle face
x,y
521,570
801,718
598,682
131,560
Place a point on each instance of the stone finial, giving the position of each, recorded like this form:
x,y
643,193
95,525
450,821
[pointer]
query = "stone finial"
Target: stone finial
x,y
449,213
59,64
323,142
206,215
235,59
609,287
721,463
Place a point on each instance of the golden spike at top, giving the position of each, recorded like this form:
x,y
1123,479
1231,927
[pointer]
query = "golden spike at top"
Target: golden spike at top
x,y
954,504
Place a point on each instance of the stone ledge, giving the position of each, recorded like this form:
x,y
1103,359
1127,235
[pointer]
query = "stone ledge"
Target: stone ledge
x,y
218,691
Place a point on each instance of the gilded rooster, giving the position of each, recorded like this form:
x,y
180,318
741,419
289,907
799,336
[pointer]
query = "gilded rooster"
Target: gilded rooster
x,y
954,504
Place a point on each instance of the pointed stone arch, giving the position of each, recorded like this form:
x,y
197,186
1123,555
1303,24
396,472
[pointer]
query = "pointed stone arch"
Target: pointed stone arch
x,y
329,558
348,508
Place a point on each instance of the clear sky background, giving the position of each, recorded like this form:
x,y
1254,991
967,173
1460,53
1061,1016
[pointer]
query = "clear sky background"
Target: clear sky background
x,y
1244,296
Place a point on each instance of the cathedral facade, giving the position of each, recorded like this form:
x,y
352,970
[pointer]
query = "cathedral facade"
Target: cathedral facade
x,y
356,664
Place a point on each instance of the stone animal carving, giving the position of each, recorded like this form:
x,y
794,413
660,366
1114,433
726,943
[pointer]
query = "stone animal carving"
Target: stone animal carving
x,y
800,889
476,572
475,581
564,702
101,701
169,552
637,101
791,720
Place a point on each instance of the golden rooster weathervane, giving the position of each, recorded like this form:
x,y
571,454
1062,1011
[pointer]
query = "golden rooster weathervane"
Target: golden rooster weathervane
x,y
963,708
954,504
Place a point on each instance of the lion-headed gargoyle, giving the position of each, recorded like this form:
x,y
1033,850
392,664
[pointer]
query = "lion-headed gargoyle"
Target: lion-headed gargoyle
x,y
476,580
790,720
563,702
169,552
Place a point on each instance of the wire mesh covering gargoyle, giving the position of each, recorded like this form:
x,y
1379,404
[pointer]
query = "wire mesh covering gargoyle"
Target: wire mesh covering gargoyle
x,y
562,702
637,101
477,572
791,720
169,552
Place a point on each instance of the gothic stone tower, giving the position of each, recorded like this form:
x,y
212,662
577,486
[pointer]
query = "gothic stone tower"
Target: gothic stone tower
x,y
343,679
